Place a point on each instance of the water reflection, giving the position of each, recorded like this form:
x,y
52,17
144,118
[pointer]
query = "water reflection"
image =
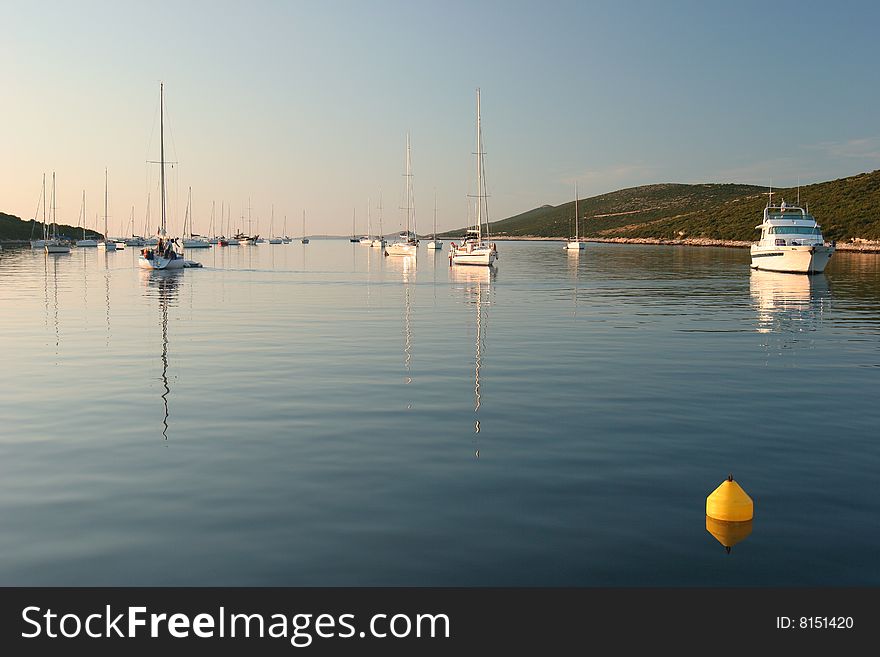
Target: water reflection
x,y
165,284
573,260
476,283
789,303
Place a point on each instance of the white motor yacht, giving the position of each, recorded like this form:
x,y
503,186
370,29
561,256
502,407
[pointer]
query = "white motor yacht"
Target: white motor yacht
x,y
791,241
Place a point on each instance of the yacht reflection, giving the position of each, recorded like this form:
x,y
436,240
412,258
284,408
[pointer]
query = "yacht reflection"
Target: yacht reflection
x,y
403,265
165,286
788,303
476,282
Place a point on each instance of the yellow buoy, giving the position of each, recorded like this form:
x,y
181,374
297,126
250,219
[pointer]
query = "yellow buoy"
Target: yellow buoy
x,y
729,502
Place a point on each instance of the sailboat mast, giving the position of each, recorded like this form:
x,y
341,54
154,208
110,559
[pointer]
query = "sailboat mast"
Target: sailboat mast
x,y
408,185
105,204
54,224
435,215
575,212
381,235
45,225
479,172
162,151
83,214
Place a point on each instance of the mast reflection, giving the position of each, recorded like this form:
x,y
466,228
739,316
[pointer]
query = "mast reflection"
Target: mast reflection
x,y
477,285
165,285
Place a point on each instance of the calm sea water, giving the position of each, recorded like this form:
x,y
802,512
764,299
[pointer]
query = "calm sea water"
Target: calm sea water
x,y
322,415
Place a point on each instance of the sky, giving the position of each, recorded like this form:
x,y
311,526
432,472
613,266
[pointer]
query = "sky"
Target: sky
x,y
293,106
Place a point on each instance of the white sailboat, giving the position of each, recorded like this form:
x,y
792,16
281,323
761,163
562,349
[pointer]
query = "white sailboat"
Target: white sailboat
x,y
134,240
54,244
84,242
215,238
273,239
435,243
40,243
578,243
192,240
407,243
286,239
367,240
163,256
476,249
305,240
379,242
106,243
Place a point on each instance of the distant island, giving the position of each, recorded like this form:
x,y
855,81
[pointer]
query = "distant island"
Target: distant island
x,y
847,209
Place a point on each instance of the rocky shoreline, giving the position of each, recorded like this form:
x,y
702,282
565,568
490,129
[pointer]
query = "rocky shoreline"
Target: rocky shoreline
x,y
857,245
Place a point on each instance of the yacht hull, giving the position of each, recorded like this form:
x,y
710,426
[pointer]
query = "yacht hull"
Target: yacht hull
x,y
575,246
792,259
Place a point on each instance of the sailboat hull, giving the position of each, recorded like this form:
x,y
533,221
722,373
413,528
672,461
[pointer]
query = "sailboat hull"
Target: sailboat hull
x,y
482,256
57,248
575,246
82,243
401,250
158,263
107,246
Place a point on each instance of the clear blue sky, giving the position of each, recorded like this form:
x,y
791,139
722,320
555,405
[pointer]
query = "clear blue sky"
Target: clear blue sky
x,y
305,105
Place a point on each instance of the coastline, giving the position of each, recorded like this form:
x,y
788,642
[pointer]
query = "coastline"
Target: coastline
x,y
856,246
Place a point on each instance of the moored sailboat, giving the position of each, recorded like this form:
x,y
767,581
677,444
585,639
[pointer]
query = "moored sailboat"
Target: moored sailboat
x,y
435,243
578,243
54,244
192,240
476,249
106,243
85,241
407,242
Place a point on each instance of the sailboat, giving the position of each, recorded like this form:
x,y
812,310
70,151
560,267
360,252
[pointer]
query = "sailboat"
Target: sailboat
x,y
354,237
54,244
578,243
229,241
475,250
435,243
193,240
305,240
286,239
407,242
215,238
133,240
272,238
163,256
40,243
380,240
106,243
82,221
367,240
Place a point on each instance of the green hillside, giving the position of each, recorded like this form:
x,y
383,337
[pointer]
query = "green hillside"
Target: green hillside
x,y
13,228
845,208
